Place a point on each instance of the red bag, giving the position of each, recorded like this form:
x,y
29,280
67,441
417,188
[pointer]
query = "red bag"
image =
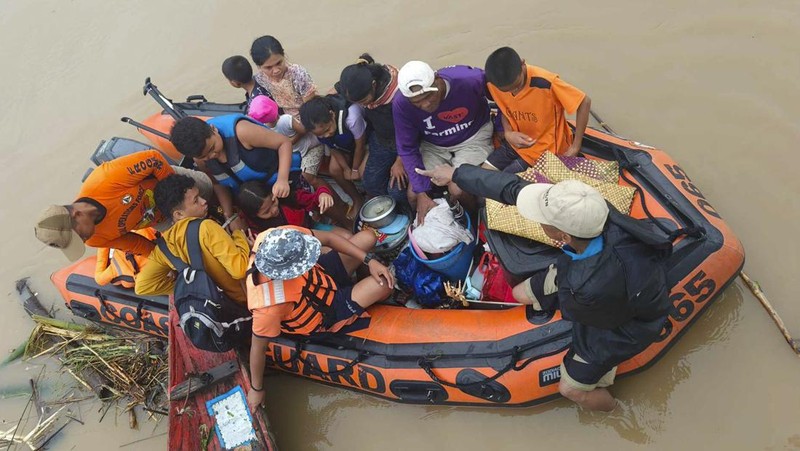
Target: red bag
x,y
495,286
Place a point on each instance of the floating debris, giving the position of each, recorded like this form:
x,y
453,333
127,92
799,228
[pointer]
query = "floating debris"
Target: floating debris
x,y
132,366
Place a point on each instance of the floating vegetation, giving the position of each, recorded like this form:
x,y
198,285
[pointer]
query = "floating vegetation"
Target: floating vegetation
x,y
131,367
45,429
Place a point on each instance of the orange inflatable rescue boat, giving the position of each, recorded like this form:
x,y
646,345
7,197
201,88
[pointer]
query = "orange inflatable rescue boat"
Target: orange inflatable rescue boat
x,y
506,355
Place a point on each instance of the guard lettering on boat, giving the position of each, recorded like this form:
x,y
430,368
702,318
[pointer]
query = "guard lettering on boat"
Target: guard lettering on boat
x,y
111,313
549,376
325,368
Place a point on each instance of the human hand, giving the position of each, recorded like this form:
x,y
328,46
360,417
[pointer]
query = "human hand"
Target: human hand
x,y
352,175
441,175
250,236
325,202
397,174
255,399
238,223
280,189
572,150
519,140
379,272
424,205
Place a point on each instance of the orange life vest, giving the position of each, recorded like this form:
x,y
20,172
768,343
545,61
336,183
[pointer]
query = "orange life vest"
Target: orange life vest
x,y
312,293
118,267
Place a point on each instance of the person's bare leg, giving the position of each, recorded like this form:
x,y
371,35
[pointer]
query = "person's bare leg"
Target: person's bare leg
x,y
365,240
367,292
342,232
337,172
467,200
412,198
597,399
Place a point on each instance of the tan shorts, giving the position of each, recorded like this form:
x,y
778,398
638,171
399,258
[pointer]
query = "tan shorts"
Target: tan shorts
x,y
605,380
472,151
201,180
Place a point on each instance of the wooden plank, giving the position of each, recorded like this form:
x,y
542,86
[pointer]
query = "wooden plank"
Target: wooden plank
x,y
187,414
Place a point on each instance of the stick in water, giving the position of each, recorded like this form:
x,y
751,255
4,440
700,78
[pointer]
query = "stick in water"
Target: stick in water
x,y
756,289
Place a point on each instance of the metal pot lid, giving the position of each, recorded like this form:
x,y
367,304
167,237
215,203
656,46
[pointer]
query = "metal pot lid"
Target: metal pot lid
x,y
377,208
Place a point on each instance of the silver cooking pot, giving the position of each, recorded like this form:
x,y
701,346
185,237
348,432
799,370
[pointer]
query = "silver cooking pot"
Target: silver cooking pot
x,y
378,211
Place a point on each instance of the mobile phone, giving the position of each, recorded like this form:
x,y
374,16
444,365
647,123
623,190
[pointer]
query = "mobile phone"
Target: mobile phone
x,y
230,220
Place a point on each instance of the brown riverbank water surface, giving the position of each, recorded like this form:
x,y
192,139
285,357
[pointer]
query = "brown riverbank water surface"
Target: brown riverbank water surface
x,y
713,83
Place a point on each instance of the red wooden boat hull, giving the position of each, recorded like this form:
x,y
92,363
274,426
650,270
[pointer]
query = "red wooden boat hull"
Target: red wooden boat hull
x,y
187,415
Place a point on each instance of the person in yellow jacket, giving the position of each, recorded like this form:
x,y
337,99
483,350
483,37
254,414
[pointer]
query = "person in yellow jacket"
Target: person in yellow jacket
x,y
225,256
298,291
117,267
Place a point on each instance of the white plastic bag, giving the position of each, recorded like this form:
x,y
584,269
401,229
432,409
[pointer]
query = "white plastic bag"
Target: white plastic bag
x,y
440,232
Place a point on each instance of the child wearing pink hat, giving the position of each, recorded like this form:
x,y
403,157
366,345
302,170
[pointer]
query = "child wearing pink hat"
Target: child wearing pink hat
x,y
265,110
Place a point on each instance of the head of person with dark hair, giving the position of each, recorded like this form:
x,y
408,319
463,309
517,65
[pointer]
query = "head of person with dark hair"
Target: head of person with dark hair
x,y
196,139
360,82
318,117
256,201
237,70
506,70
268,54
177,197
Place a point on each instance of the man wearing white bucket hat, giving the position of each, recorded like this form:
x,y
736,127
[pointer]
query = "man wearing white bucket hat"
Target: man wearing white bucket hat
x,y
295,288
610,281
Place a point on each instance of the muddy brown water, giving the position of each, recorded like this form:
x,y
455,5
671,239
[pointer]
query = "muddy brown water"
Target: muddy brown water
x,y
713,83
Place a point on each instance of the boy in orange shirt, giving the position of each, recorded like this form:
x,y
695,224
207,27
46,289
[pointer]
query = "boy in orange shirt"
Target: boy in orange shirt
x,y
532,101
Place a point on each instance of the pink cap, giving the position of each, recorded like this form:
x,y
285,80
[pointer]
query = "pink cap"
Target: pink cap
x,y
263,109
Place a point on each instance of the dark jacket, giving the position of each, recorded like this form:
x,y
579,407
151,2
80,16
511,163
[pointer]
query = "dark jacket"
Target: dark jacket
x,y
618,299
381,122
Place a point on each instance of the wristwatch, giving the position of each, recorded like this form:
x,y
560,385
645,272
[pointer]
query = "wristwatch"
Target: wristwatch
x,y
368,258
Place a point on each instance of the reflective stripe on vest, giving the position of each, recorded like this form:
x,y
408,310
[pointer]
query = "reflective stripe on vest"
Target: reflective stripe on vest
x,y
247,164
312,293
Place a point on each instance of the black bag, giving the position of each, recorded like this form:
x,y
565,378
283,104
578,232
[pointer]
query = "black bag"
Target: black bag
x,y
210,320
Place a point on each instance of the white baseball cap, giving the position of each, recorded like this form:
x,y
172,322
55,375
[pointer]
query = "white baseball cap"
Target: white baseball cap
x,y
416,73
570,206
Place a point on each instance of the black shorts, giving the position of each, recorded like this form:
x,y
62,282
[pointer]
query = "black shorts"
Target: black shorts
x,y
506,159
343,305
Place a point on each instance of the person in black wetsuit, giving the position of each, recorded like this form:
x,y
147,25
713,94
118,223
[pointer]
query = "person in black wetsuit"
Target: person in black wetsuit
x,y
610,281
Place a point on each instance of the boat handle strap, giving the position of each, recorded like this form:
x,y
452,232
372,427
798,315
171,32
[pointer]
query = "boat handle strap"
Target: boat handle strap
x,y
427,366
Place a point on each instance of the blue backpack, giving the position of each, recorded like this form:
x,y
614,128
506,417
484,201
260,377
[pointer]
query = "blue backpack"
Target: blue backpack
x,y
210,320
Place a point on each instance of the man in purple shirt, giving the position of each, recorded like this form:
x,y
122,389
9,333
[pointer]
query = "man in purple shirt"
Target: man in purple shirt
x,y
441,118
